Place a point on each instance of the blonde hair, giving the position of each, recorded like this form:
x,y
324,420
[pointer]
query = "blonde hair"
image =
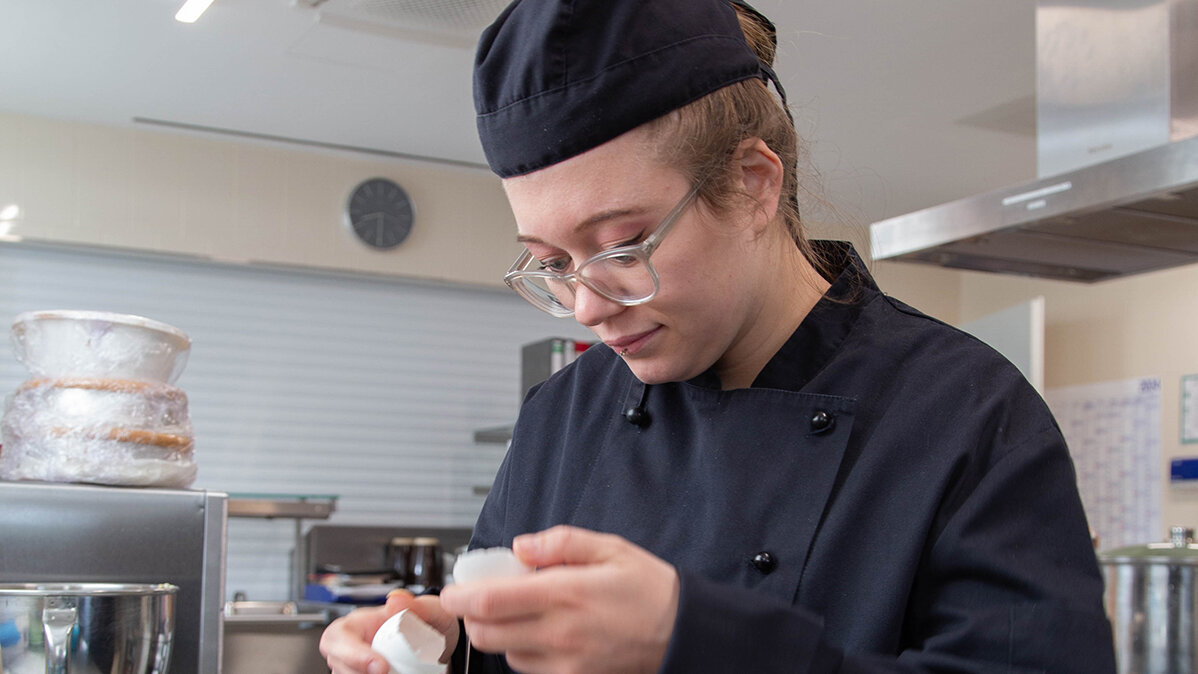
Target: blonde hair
x,y
700,139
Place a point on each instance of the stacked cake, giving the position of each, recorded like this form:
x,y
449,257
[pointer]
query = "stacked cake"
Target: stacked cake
x,y
100,406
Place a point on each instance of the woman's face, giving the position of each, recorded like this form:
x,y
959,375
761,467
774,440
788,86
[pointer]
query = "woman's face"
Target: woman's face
x,y
617,194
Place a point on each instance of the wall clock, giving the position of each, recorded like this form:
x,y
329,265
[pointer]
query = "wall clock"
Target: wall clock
x,y
380,213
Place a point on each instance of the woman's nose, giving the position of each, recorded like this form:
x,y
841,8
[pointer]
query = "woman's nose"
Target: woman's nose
x,y
591,308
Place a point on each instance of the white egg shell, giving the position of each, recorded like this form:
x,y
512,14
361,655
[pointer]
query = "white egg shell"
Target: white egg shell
x,y
410,645
487,563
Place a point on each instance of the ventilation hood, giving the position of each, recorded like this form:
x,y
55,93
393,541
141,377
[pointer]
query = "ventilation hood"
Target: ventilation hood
x,y
1117,148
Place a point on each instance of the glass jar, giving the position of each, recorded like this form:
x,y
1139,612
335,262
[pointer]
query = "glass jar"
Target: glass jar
x,y
399,559
427,566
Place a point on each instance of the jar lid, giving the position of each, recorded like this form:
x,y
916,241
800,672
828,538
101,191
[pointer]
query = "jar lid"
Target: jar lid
x,y
1179,549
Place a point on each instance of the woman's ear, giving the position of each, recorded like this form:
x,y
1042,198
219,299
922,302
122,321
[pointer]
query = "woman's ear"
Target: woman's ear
x,y
761,175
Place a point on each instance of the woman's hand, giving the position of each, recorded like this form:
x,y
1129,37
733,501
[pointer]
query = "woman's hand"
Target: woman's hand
x,y
345,643
597,604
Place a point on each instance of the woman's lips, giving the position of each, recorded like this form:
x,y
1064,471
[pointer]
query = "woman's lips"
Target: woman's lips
x,y
631,345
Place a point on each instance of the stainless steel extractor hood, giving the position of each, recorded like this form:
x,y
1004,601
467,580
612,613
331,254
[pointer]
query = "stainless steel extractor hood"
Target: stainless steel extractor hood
x,y
1117,116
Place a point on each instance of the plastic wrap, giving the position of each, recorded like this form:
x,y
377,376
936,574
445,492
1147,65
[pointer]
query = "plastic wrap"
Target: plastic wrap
x,y
90,404
100,407
99,344
102,431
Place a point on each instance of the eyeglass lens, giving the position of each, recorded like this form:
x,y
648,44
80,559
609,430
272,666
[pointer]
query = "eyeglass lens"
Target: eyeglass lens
x,y
623,278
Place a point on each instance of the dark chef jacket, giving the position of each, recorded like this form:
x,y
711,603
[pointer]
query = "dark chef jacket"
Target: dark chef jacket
x,y
890,495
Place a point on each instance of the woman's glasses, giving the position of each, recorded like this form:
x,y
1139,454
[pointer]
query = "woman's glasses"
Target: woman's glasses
x,y
623,275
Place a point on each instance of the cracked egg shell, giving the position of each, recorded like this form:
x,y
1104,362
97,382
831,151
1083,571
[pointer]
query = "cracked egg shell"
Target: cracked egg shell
x,y
485,563
410,645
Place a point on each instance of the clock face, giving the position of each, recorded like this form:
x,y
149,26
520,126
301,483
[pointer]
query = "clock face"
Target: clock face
x,y
380,213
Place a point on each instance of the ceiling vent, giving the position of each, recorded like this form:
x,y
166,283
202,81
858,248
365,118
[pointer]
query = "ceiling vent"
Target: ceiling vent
x,y
457,22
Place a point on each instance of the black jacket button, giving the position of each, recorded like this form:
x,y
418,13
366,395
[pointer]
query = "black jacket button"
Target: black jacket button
x,y
637,416
821,421
765,562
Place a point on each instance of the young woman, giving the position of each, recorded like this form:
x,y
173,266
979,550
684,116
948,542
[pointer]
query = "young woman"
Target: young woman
x,y
773,467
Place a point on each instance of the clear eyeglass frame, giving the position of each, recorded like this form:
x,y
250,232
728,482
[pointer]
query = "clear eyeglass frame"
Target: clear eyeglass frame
x,y
631,262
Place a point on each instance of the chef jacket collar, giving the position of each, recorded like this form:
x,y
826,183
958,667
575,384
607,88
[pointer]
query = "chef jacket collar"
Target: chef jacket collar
x,y
820,333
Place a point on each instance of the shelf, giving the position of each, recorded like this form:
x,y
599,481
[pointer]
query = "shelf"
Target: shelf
x,y
296,507
495,435
288,507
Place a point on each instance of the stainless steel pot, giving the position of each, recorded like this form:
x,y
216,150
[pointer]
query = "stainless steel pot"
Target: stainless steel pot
x,y
86,628
1152,600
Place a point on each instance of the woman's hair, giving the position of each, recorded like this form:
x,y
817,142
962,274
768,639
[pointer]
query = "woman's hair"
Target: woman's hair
x,y
701,138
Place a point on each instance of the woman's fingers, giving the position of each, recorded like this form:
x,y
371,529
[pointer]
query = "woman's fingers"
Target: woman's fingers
x,y
358,666
345,643
597,603
428,608
501,599
566,545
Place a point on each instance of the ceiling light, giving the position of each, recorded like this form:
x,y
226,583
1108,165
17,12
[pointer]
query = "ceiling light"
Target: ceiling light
x,y
191,10
10,212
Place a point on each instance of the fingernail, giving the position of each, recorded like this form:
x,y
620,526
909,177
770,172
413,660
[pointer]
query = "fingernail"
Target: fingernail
x,y
377,667
527,543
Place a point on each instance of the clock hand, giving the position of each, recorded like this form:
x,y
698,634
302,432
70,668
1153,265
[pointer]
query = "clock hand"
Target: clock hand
x,y
379,229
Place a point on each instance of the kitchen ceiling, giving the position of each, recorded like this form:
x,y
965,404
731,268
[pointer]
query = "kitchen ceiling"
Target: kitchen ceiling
x,y
906,103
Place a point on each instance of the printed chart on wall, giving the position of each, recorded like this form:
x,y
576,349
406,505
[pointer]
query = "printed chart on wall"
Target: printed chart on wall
x,y
1114,434
1189,409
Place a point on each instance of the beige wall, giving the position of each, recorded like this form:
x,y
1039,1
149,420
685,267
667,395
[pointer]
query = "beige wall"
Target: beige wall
x,y
934,291
236,201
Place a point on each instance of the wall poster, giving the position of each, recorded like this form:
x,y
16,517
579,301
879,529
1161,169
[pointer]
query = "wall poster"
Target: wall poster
x,y
1189,408
1114,435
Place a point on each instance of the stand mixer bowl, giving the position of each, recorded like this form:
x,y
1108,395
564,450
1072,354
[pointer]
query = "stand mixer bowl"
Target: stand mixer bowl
x,y
86,628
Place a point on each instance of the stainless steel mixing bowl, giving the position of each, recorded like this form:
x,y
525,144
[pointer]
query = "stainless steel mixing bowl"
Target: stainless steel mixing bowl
x,y
86,628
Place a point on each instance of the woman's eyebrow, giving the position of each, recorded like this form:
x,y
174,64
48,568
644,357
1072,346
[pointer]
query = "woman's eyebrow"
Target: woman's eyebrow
x,y
600,217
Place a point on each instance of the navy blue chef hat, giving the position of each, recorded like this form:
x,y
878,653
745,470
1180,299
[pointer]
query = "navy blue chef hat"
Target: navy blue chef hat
x,y
555,78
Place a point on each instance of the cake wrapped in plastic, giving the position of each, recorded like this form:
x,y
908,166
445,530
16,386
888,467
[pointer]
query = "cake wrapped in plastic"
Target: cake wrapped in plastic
x,y
101,407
